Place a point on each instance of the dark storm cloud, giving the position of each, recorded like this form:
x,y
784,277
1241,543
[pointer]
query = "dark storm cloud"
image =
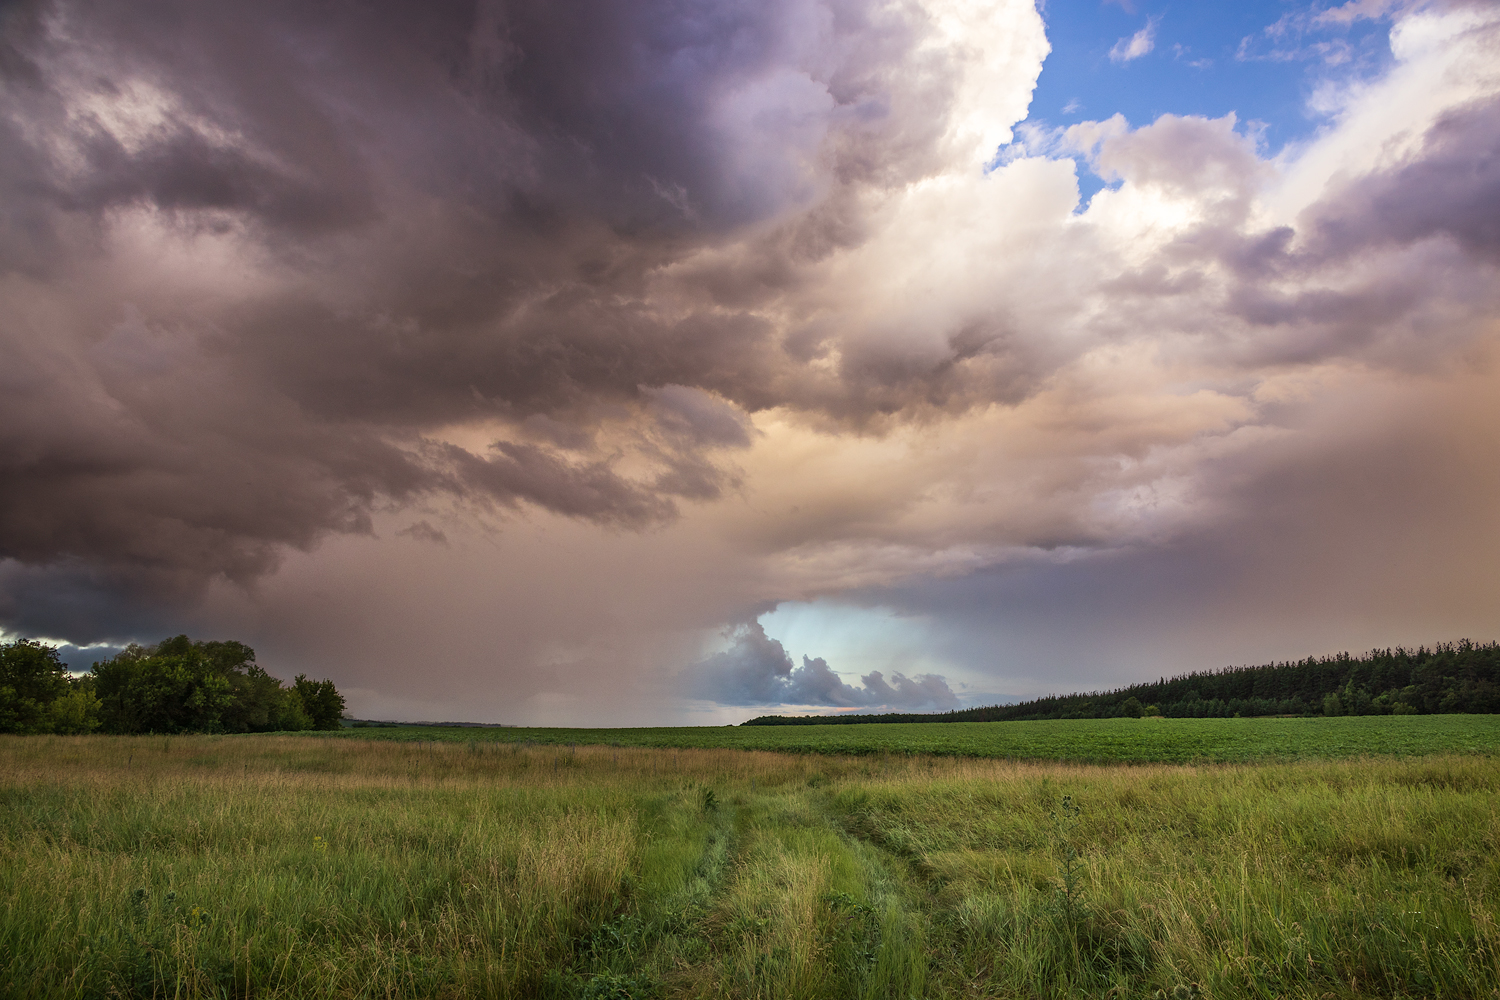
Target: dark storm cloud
x,y
756,670
73,600
80,658
521,472
424,531
452,210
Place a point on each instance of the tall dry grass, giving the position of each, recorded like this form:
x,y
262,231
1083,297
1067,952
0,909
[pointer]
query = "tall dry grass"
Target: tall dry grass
x,y
291,867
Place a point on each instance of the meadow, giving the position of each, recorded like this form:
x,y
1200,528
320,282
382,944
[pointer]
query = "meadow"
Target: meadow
x,y
1089,741
300,866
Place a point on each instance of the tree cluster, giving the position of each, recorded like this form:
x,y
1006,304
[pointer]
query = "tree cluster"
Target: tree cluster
x,y
176,686
1461,677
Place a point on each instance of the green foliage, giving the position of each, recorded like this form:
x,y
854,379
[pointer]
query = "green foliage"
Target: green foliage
x,y
613,986
165,689
177,686
321,701
288,714
77,711
1070,864
31,678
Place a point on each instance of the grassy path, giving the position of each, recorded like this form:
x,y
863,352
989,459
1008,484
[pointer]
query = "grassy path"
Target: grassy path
x,y
307,867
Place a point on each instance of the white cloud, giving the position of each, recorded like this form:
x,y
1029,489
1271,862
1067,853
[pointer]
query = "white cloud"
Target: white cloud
x,y
1139,44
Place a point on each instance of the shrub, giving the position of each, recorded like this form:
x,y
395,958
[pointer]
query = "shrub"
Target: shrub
x,y
77,711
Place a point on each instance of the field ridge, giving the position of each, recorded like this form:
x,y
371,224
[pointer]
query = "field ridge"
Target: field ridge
x,y
1152,740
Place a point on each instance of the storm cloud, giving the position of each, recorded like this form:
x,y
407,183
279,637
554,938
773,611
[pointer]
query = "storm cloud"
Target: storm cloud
x,y
756,670
262,269
614,322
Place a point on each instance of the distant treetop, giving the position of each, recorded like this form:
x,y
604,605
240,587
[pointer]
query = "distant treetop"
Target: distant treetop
x,y
1451,677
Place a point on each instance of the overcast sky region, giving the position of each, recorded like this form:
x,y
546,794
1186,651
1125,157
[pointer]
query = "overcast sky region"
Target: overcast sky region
x,y
634,362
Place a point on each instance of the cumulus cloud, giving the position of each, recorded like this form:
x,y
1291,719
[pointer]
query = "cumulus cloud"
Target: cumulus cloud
x,y
1446,188
756,670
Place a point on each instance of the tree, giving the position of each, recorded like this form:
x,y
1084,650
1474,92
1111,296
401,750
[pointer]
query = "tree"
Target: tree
x,y
289,714
179,685
151,691
1131,708
31,678
321,700
182,685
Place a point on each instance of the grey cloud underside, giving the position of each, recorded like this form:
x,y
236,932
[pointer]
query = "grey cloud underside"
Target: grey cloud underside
x,y
206,465
756,670
1452,191
462,203
506,214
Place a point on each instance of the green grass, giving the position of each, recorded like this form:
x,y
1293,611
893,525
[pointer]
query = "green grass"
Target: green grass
x,y
278,866
1082,740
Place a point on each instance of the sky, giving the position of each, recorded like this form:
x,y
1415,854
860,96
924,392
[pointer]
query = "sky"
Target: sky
x,y
632,362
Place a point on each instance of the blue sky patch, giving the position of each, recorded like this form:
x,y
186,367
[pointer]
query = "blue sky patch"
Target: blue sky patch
x,y
1265,61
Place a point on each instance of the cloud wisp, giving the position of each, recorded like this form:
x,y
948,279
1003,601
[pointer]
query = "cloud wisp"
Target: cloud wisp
x,y
1141,43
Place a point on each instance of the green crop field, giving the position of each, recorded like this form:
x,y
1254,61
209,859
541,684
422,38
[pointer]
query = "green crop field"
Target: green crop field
x,y
1083,740
298,866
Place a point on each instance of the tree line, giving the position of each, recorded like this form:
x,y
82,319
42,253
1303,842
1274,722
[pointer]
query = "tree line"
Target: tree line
x,y
1461,677
176,686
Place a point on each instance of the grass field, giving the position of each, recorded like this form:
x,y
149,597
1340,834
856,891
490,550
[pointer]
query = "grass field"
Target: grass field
x,y
1094,741
278,866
